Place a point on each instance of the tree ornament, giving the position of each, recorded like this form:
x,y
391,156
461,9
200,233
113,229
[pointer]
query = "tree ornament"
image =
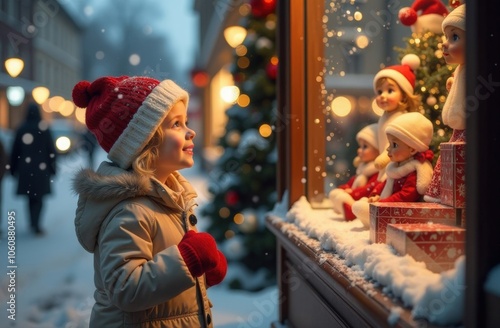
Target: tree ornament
x,y
431,100
263,43
250,222
233,138
455,3
232,198
272,70
262,8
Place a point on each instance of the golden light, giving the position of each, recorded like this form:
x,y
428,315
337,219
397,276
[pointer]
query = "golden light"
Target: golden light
x,y
40,94
243,62
14,66
265,130
46,107
241,50
55,102
66,108
243,100
377,110
362,41
358,16
224,212
80,114
235,35
229,94
238,218
341,106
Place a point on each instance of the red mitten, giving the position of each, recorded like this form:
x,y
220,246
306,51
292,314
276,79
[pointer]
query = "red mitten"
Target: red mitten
x,y
217,274
199,251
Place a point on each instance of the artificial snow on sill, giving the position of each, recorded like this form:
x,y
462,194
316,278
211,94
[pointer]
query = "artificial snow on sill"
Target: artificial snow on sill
x,y
438,298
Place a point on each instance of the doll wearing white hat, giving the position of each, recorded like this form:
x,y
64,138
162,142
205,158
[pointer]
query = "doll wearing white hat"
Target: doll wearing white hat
x,y
410,170
394,94
362,183
454,109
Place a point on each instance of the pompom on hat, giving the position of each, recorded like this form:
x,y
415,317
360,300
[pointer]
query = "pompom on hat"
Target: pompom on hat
x,y
414,129
369,134
424,15
403,75
124,112
456,18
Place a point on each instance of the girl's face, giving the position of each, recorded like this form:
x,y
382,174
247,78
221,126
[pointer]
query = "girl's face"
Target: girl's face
x,y
176,150
398,151
454,46
366,152
388,95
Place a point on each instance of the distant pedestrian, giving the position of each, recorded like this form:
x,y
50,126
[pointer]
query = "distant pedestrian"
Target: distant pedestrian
x,y
33,163
136,213
89,145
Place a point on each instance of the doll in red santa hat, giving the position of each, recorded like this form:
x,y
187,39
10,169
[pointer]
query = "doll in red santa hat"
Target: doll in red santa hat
x,y
362,183
424,15
453,114
410,170
394,86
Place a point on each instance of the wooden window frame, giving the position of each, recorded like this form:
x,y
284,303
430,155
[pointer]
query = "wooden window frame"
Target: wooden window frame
x,y
299,105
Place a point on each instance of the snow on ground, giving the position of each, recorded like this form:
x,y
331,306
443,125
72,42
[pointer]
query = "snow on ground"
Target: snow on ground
x,y
53,274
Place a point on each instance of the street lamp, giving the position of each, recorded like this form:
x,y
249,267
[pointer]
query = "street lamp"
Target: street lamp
x,y
14,66
235,35
40,94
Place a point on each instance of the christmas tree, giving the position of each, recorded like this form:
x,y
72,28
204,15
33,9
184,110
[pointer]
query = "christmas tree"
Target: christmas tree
x,y
433,73
430,83
243,181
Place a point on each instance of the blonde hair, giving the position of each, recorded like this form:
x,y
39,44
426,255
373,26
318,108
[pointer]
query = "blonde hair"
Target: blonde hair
x,y
144,164
410,102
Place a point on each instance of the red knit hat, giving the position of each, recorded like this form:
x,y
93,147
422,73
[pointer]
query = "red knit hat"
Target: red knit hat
x,y
403,74
124,112
424,15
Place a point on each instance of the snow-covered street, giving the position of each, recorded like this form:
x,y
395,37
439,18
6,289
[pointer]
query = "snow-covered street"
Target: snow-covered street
x,y
50,278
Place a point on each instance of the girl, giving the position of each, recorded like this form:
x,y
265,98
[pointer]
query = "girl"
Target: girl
x,y
361,184
454,108
393,87
410,170
135,213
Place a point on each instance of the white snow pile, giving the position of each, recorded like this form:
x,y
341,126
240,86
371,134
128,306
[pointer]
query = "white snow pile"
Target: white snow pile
x,y
438,298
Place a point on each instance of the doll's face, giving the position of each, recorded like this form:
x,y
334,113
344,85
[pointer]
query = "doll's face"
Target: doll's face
x,y
398,151
176,150
388,95
366,152
454,46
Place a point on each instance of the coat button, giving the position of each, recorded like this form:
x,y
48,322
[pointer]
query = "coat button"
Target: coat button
x,y
192,219
209,319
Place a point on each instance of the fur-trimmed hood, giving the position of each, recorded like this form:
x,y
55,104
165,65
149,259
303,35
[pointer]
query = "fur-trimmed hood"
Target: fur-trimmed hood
x,y
100,191
394,172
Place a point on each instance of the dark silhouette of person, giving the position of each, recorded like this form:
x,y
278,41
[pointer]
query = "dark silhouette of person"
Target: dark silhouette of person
x,y
33,162
89,144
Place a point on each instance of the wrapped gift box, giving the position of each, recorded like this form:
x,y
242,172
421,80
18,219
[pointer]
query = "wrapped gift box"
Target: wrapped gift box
x,y
453,174
381,214
437,245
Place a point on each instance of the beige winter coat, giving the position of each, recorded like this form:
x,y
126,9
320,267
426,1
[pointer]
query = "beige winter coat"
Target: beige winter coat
x,y
132,225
